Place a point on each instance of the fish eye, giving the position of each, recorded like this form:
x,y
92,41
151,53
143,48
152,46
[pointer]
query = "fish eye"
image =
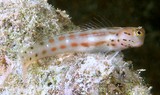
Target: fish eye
x,y
139,32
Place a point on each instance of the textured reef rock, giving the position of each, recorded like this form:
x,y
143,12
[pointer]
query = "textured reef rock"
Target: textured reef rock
x,y
25,22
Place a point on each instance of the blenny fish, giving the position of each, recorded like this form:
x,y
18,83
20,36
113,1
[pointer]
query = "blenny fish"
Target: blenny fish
x,y
92,40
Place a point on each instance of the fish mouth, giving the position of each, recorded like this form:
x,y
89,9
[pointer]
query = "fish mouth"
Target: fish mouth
x,y
138,44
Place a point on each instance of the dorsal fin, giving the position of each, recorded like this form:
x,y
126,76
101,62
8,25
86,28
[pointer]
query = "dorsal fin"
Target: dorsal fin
x,y
95,23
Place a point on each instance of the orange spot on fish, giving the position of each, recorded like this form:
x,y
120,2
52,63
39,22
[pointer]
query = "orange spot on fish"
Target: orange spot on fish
x,y
61,38
62,46
71,36
95,33
83,34
98,33
85,44
74,44
51,40
100,43
53,48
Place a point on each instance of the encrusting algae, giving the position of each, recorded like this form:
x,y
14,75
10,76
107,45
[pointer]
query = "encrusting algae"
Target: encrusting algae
x,y
67,64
